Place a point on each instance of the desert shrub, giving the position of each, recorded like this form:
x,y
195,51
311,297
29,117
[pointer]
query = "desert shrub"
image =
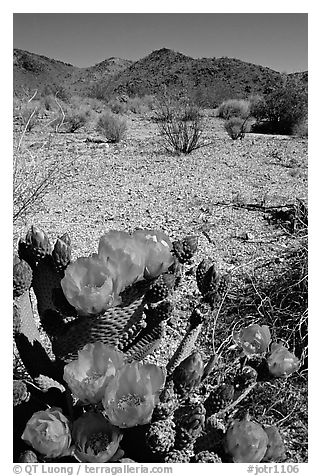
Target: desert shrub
x,y
234,108
301,129
236,127
100,90
48,102
111,126
35,175
117,106
136,105
149,101
283,108
76,118
29,114
70,119
180,124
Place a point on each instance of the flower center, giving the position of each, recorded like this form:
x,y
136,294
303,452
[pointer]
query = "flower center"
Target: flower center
x,y
98,442
131,400
92,377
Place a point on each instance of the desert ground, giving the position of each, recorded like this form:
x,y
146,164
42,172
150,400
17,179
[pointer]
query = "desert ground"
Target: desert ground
x,y
224,192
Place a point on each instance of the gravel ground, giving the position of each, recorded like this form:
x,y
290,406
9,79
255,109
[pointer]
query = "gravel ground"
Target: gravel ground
x,y
137,184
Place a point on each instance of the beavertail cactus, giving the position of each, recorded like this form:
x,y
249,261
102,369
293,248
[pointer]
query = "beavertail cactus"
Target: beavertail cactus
x,y
275,449
246,441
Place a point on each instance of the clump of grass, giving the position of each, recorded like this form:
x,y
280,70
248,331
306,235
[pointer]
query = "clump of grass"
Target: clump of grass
x,y
111,126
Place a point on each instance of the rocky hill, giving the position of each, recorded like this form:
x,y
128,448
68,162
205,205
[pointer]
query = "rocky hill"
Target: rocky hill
x,y
210,80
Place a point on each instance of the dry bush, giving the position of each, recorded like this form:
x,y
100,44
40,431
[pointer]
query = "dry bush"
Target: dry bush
x,y
29,114
234,108
236,127
180,124
111,126
301,129
35,176
136,105
117,107
75,118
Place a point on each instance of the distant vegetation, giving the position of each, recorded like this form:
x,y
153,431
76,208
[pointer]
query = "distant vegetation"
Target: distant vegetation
x,y
236,89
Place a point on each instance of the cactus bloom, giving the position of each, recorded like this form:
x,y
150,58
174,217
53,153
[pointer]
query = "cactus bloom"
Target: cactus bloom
x,y
131,396
91,285
281,361
124,253
158,256
88,376
253,339
96,439
48,432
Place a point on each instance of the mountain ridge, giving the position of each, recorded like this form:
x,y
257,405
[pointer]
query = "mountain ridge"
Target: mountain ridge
x,y
212,79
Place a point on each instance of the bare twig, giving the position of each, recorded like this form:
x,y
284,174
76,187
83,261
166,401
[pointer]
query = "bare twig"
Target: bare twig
x,y
62,113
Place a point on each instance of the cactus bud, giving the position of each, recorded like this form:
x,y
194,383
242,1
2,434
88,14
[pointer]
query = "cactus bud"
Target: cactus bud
x,y
201,272
188,373
275,449
62,252
246,441
22,277
185,249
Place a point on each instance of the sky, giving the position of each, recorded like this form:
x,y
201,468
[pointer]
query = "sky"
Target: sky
x,y
276,40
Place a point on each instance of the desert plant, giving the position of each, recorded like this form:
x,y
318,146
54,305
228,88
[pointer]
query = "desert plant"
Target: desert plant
x,y
34,177
236,127
117,107
233,108
76,118
111,126
136,105
29,115
180,124
283,108
301,129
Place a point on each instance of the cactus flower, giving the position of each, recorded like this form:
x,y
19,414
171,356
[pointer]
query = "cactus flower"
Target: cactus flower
x,y
96,439
281,361
124,253
158,256
131,396
253,339
48,432
91,285
88,376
